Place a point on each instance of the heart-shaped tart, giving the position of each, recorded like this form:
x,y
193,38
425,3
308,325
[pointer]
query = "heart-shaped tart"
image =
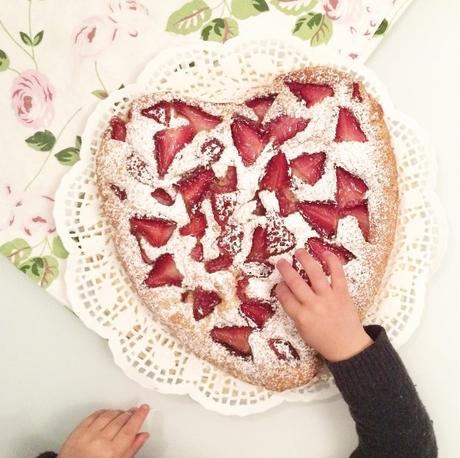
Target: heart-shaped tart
x,y
204,198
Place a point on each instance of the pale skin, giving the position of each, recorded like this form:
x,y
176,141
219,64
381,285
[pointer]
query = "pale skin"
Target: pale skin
x,y
323,313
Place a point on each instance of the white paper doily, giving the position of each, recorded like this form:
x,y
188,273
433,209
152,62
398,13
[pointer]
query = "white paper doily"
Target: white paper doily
x,y
100,292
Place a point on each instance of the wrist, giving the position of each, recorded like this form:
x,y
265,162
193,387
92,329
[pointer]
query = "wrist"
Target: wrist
x,y
351,347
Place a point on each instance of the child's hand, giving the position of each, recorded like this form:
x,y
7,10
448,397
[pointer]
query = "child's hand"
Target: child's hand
x,y
107,434
323,313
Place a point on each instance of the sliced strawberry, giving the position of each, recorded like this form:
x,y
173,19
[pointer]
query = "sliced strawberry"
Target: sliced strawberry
x,y
196,226
223,206
194,185
118,129
351,190
223,261
348,128
310,93
120,193
145,257
309,167
322,216
279,238
168,143
258,269
204,303
160,112
361,213
234,338
241,286
318,249
260,209
259,312
230,239
212,149
197,252
356,93
162,196
259,245
300,270
283,349
249,139
227,183
139,170
284,128
276,173
164,272
155,230
261,105
199,119
287,201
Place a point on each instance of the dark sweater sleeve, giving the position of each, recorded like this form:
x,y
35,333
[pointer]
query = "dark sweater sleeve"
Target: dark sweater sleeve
x,y
391,421
47,455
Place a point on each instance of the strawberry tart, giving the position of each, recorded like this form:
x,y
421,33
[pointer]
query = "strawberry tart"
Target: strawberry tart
x,y
204,198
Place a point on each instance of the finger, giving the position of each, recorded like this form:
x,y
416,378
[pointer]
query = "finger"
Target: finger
x,y
126,435
104,419
295,282
137,444
288,301
338,279
112,428
318,279
85,423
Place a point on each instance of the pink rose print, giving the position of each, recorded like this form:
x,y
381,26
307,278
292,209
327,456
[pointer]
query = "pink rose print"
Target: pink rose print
x,y
344,11
93,36
34,215
128,15
32,99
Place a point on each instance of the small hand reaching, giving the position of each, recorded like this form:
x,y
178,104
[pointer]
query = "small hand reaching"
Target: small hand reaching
x,y
323,313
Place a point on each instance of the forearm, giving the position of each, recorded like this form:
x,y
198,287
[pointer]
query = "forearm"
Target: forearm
x,y
390,419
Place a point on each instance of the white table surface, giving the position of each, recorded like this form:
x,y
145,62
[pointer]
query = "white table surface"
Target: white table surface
x,y
54,371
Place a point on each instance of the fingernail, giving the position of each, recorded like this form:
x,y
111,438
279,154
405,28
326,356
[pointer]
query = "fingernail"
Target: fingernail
x,y
144,407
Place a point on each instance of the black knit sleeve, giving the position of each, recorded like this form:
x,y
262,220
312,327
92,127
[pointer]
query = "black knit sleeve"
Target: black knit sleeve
x,y
47,455
391,421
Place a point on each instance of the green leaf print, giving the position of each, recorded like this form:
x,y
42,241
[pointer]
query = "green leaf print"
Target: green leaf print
x,y
382,28
220,30
4,61
242,9
26,39
68,156
100,94
41,140
294,7
189,18
58,248
41,270
315,27
17,251
38,38
78,142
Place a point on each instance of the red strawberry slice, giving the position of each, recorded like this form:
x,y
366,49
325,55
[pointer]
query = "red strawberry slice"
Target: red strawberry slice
x,y
258,269
204,303
260,209
283,349
249,139
318,249
348,128
144,255
197,252
139,170
196,226
120,193
241,286
168,143
259,312
259,245
164,272
356,93
322,216
276,173
223,206
213,149
229,241
199,119
194,185
300,270
284,128
287,201
351,190
261,105
162,196
155,230
361,213
279,239
310,93
160,112
234,338
227,183
118,129
309,167
223,261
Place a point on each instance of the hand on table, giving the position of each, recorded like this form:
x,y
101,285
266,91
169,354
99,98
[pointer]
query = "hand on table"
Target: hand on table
x,y
107,434
323,313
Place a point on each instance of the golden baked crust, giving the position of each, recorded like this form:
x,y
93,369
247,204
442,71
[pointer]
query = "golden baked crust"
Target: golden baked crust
x,y
364,273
